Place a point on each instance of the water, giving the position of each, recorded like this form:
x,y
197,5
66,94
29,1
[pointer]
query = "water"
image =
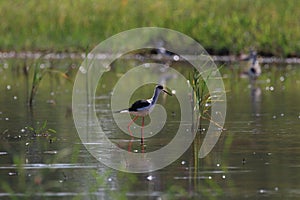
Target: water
x,y
256,157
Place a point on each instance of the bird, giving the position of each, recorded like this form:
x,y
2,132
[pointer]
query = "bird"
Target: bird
x,y
254,69
142,108
162,54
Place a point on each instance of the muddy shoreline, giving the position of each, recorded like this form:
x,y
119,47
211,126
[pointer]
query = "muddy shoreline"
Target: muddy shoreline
x,y
68,55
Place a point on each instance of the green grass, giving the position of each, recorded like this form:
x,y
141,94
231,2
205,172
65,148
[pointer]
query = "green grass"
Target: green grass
x,y
221,26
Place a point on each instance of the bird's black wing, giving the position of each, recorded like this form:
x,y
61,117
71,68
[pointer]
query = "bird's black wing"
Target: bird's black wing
x,y
138,104
253,70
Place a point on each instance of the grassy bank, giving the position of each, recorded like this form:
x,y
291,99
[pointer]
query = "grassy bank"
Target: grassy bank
x,y
221,26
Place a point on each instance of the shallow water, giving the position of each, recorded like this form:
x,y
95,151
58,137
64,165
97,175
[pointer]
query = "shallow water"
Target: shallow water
x,y
256,157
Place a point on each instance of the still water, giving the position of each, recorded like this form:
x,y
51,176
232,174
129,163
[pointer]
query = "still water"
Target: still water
x,y
42,156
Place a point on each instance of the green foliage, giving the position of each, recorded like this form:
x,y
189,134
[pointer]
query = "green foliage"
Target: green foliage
x,y
201,94
221,26
42,130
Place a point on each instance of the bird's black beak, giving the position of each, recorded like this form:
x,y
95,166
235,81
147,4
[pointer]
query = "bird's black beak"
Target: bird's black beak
x,y
167,92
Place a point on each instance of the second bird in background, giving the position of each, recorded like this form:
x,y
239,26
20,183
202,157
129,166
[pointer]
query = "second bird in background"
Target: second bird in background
x,y
254,69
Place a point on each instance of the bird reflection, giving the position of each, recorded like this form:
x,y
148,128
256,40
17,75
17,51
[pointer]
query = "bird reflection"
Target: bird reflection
x,y
256,100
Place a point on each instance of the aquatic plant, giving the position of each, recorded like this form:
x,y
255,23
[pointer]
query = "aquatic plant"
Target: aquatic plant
x,y
202,100
37,77
40,70
200,95
42,130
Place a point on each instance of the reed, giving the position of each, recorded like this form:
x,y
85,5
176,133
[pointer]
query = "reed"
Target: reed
x,y
201,96
40,71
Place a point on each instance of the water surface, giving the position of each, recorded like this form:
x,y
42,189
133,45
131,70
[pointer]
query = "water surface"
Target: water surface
x,y
256,157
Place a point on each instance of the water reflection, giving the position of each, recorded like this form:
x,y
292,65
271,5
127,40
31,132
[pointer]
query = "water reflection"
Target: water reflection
x,y
256,107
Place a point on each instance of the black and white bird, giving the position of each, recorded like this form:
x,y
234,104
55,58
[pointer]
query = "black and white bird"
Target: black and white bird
x,y
254,69
142,108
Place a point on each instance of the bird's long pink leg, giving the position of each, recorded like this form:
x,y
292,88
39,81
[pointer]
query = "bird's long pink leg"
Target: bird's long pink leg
x,y
142,132
128,126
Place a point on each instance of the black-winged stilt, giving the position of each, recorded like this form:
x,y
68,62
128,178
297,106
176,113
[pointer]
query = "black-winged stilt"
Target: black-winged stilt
x,y
254,69
141,108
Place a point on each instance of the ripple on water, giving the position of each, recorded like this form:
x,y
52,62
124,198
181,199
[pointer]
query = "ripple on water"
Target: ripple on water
x,y
50,166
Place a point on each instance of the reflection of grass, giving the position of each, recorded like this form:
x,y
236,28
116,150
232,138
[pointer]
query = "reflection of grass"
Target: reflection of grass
x,y
21,184
24,182
116,184
25,187
176,192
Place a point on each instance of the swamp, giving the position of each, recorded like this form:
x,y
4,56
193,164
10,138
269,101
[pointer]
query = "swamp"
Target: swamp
x,y
58,138
257,155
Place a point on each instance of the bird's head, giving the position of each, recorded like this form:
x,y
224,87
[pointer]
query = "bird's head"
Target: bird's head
x,y
161,88
251,56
